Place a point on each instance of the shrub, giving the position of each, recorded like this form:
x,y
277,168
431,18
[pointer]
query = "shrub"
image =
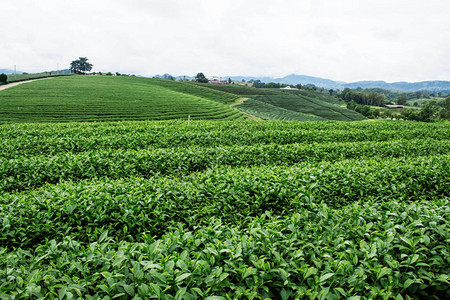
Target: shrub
x,y
3,78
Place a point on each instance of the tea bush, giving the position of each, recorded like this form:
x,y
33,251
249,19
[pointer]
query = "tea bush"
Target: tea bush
x,y
225,210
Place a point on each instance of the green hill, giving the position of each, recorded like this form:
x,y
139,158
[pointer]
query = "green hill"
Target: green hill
x,y
108,98
268,111
104,98
313,108
294,105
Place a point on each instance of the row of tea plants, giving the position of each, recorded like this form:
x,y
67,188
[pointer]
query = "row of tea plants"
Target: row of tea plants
x,y
225,210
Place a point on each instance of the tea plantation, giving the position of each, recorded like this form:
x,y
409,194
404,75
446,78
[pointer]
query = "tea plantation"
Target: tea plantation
x,y
223,209
104,98
122,98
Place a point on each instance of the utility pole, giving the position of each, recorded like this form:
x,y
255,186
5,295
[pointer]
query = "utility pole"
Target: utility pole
x,y
15,77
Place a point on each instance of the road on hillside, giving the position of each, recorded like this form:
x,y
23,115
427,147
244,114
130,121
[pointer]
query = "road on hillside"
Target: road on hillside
x,y
4,87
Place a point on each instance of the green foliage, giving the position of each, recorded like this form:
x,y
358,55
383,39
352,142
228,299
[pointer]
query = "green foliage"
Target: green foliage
x,y
200,77
29,140
445,113
225,210
428,113
158,203
402,100
3,78
80,65
422,101
365,250
363,98
365,110
37,170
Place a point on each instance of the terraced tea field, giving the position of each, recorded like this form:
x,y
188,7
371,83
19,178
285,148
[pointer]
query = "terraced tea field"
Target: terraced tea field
x,y
290,105
302,105
107,98
225,210
104,98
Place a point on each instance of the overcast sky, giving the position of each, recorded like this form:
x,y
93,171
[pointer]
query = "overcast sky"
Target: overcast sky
x,y
346,40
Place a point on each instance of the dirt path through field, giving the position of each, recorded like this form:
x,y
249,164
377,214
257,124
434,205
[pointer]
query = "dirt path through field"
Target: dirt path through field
x,y
239,101
248,115
4,87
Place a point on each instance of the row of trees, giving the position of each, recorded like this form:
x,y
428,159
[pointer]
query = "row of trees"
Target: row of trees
x,y
363,98
82,66
276,85
394,96
427,113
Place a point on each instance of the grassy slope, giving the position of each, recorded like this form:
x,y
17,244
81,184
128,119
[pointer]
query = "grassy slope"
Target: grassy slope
x,y
83,98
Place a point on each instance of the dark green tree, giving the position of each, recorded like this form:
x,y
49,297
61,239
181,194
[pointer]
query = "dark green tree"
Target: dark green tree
x,y
446,111
402,100
200,77
428,111
3,78
426,114
258,84
80,66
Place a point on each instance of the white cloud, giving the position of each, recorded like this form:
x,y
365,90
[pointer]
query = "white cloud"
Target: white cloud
x,y
342,40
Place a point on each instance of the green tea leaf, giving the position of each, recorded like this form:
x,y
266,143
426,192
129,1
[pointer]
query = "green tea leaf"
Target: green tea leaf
x,y
325,277
181,277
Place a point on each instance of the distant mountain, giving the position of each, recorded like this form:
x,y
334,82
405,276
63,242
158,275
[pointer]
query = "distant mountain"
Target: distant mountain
x,y
432,86
303,79
295,79
182,77
247,78
8,71
64,71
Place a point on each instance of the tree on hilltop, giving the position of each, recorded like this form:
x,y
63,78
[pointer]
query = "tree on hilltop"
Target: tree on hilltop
x,y
200,77
80,66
